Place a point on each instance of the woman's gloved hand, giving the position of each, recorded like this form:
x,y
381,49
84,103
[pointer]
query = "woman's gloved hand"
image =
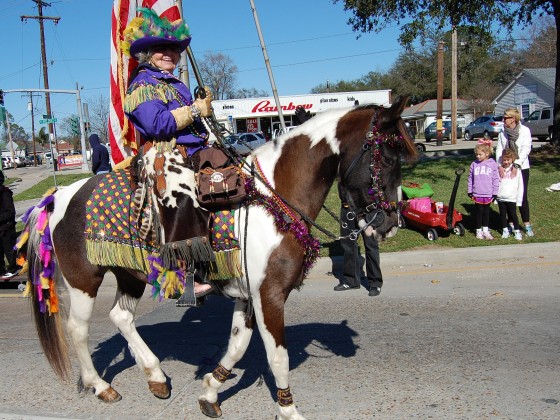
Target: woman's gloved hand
x,y
205,105
200,108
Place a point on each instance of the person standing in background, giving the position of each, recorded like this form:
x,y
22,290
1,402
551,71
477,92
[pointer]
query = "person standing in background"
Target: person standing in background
x,y
8,234
99,156
352,267
510,194
517,137
482,186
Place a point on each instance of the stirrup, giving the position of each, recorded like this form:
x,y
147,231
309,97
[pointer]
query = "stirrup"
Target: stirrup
x,y
188,297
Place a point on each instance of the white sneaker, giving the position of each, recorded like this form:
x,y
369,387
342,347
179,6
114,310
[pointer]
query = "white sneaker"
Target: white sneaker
x,y
529,231
505,233
488,236
7,275
479,235
518,235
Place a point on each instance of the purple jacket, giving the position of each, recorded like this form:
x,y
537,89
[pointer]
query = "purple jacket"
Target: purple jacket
x,y
150,98
484,178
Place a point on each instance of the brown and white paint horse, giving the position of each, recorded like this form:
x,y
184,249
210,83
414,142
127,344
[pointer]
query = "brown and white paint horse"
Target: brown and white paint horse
x,y
301,167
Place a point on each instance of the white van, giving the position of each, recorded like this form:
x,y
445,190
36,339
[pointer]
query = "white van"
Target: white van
x,y
540,123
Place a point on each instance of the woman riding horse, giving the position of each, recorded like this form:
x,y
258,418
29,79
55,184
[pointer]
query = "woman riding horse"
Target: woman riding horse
x,y
157,103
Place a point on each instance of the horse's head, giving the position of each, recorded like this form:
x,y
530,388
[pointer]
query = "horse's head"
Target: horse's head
x,y
370,168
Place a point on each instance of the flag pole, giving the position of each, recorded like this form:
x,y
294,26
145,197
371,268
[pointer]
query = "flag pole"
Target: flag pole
x,y
183,67
268,67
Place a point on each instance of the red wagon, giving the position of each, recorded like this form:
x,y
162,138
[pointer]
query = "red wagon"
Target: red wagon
x,y
431,217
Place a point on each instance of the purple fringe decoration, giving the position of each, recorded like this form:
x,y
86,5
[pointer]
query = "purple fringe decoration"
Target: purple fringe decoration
x,y
27,213
156,268
46,201
309,244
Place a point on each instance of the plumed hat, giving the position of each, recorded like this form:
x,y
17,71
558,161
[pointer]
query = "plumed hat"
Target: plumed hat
x,y
149,30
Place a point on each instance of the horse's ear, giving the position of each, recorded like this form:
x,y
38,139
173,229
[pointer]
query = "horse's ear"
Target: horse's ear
x,y
392,114
398,106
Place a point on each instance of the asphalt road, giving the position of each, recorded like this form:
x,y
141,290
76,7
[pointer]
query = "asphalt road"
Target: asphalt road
x,y
455,334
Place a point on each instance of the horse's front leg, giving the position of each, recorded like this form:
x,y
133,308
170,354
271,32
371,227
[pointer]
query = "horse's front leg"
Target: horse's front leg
x,y
270,321
122,315
241,332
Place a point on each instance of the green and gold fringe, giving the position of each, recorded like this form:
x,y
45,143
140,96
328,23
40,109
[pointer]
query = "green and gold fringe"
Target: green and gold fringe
x,y
144,92
226,266
118,255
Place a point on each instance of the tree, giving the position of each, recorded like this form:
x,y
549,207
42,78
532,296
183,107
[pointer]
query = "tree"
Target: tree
x,y
539,49
43,137
99,117
248,93
483,70
218,73
416,17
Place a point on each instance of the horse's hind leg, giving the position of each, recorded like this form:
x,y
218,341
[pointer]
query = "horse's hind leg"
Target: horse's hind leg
x,y
241,332
81,307
129,292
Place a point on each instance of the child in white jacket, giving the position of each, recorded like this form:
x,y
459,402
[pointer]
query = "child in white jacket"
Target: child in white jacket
x,y
510,194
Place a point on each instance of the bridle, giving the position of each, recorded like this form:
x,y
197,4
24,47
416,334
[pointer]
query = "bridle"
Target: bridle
x,y
373,214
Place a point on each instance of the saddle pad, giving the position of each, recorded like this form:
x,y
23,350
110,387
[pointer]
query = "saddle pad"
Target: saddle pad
x,y
112,236
223,235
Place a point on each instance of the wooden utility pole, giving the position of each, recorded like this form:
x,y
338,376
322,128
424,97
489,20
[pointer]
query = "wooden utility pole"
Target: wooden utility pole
x,y
439,112
33,128
454,85
41,18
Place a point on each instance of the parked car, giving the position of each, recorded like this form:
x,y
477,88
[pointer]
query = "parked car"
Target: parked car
x,y
30,161
540,123
431,133
7,163
485,126
20,162
244,143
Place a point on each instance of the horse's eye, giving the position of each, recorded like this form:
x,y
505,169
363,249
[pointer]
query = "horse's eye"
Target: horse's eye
x,y
388,160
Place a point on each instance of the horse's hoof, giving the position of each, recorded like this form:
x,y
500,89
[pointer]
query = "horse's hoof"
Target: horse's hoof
x,y
159,389
109,396
210,409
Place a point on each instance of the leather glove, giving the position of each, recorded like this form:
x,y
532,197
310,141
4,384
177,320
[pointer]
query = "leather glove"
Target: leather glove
x,y
184,115
205,105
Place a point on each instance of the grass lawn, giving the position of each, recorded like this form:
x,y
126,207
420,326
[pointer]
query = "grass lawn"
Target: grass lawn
x,y
440,174
40,188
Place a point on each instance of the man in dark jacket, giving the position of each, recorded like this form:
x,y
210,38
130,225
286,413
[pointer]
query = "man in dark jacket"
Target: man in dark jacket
x,y
8,235
99,156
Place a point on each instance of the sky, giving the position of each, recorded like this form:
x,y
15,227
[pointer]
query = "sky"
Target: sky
x,y
308,43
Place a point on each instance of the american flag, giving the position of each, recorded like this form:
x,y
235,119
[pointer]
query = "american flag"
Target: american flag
x,y
122,136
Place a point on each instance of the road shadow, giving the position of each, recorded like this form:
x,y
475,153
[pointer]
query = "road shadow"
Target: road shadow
x,y
190,342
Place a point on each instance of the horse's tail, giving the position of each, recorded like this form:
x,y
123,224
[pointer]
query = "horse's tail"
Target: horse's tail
x,y
36,246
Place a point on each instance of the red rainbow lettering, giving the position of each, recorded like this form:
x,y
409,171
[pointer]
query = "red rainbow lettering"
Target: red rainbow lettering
x,y
265,106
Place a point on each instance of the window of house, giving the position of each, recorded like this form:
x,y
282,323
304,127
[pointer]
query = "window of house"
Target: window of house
x,y
525,111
